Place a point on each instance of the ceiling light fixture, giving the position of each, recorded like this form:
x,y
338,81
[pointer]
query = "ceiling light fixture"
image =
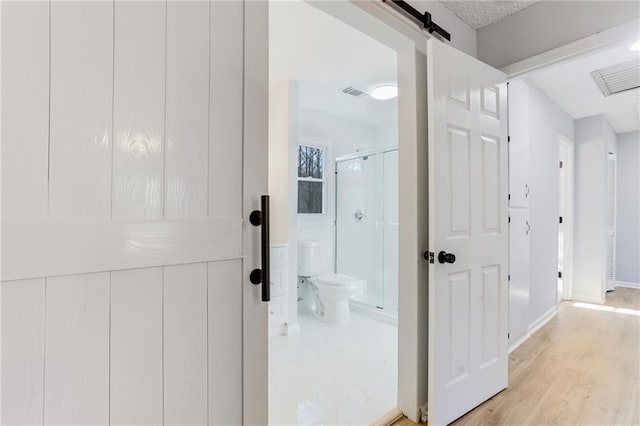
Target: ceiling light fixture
x,y
635,46
384,92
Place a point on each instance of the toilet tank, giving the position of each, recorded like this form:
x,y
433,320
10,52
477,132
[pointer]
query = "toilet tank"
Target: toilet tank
x,y
314,258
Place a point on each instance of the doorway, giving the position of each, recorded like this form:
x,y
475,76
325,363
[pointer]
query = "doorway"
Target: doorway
x,y
591,110
565,219
333,155
611,221
489,101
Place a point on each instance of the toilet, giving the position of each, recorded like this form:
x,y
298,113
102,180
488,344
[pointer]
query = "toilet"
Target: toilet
x,y
331,292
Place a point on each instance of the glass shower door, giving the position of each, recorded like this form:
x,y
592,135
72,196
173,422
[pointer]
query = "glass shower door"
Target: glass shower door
x,y
367,227
358,226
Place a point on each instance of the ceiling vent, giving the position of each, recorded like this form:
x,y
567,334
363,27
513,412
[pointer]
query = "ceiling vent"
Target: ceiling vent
x,y
618,78
354,91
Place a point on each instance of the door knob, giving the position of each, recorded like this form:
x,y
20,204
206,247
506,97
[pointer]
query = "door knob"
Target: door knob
x,y
444,257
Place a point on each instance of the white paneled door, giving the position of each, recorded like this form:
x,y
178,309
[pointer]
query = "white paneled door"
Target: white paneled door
x,y
611,221
133,151
468,232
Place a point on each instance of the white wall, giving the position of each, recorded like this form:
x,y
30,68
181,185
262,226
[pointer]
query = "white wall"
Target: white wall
x,y
593,136
628,208
283,128
547,25
308,44
463,37
348,136
547,122
385,134
342,137
610,137
282,105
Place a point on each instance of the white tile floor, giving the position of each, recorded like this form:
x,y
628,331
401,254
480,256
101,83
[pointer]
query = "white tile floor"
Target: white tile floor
x,y
333,375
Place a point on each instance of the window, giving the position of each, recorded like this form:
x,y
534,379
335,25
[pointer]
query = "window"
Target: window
x,y
311,180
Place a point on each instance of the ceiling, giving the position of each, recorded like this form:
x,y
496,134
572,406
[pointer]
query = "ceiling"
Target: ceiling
x,y
326,55
327,96
571,86
480,13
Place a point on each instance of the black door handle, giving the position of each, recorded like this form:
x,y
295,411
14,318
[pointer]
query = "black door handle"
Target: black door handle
x,y
444,257
263,275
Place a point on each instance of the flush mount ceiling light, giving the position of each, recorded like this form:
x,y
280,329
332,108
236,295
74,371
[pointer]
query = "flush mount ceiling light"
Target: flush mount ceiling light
x,y
384,92
635,46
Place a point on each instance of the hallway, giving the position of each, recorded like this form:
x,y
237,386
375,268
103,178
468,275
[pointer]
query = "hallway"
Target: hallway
x,y
583,367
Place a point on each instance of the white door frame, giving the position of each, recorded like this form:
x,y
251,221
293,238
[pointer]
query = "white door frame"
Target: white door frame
x,y
611,284
568,219
255,343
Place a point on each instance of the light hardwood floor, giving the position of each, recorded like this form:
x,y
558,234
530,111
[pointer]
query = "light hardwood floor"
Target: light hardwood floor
x,y
582,368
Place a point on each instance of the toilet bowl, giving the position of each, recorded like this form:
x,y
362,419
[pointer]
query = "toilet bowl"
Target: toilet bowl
x,y
331,292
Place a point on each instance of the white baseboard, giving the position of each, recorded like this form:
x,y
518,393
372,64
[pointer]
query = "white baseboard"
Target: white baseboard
x,y
390,418
284,330
290,329
533,327
588,299
627,284
515,345
544,318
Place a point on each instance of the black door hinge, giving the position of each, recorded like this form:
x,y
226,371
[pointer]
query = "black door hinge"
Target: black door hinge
x,y
508,335
508,138
559,274
561,164
509,219
560,219
429,256
509,277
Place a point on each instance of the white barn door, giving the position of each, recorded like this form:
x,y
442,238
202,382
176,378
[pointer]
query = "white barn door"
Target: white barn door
x,y
468,232
126,187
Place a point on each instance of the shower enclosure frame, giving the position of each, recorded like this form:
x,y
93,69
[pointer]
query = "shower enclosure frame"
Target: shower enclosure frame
x,y
374,311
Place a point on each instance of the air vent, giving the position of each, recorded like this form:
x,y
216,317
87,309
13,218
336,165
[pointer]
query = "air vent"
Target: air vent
x,y
354,91
618,78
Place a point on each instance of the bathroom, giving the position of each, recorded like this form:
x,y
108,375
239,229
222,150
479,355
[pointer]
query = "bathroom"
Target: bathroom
x,y
333,182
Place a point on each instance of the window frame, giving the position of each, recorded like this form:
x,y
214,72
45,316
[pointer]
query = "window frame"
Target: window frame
x,y
324,180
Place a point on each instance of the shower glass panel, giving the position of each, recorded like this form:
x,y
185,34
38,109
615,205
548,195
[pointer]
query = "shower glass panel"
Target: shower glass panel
x,y
367,226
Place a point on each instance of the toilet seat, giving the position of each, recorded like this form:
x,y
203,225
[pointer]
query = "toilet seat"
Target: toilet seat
x,y
337,280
